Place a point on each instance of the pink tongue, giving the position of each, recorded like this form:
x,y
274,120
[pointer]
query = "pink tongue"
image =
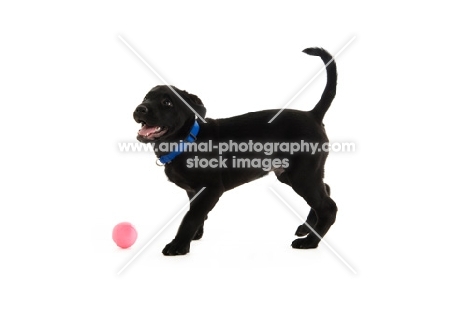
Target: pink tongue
x,y
146,130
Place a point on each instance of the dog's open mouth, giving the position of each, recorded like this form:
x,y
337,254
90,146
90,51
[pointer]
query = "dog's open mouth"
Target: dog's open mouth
x,y
151,132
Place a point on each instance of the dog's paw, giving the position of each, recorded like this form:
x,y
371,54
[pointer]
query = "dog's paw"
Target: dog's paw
x,y
302,230
198,234
176,248
305,243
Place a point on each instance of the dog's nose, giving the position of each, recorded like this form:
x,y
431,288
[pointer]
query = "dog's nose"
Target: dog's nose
x,y
141,109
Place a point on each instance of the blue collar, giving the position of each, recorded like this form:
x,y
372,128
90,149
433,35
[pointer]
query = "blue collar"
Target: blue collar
x,y
192,136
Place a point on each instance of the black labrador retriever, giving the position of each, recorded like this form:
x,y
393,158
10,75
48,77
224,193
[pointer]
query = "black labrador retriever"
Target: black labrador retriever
x,y
208,157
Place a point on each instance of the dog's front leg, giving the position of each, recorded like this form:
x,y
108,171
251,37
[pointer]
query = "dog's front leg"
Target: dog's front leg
x,y
193,221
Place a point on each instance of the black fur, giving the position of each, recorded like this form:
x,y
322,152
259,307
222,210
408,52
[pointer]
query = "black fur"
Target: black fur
x,y
304,172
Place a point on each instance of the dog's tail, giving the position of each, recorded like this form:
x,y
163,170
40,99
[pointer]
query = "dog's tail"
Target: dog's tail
x,y
330,89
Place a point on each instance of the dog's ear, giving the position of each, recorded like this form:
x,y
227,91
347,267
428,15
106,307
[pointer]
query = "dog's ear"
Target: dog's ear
x,y
198,105
195,103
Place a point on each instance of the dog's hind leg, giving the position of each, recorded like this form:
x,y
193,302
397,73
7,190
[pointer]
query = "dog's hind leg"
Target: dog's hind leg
x,y
304,230
323,209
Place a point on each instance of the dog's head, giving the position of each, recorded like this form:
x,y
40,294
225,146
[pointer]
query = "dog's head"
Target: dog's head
x,y
163,114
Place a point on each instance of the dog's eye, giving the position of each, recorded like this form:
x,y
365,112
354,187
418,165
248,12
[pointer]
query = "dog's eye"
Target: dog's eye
x,y
167,103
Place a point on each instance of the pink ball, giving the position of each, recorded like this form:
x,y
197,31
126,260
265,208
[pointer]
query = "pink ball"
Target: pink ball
x,y
124,235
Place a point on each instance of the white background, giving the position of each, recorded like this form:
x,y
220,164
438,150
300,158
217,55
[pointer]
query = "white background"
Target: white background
x,y
68,90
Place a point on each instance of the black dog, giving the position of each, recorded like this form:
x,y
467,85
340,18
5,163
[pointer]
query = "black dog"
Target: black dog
x,y
165,117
